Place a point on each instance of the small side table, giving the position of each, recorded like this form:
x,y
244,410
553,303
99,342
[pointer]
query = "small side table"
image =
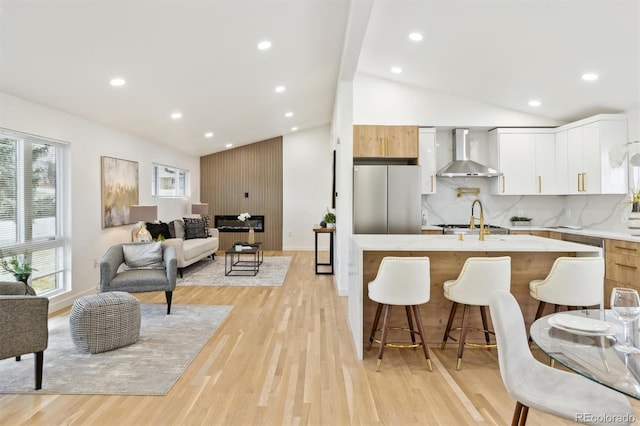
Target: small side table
x,y
329,231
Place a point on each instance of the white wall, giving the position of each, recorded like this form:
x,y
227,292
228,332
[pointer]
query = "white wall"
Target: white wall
x,y
306,180
88,141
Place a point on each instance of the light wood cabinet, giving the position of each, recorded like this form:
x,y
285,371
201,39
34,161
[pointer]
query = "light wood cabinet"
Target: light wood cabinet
x,y
431,232
427,160
622,266
370,141
544,234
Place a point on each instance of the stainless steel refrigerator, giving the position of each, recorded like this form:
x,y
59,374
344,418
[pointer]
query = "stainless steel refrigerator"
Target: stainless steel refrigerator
x,y
386,199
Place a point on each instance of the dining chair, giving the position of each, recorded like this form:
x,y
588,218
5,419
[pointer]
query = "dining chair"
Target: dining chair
x,y
401,281
536,385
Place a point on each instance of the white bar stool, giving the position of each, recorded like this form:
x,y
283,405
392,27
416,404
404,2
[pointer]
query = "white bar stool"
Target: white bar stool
x,y
403,281
572,281
479,278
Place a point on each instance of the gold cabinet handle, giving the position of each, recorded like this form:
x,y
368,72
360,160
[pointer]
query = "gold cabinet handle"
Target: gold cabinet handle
x,y
539,184
626,248
431,183
584,182
504,183
579,190
625,266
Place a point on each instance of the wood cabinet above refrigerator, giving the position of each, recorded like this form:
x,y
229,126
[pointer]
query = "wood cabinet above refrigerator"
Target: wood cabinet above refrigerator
x,y
374,141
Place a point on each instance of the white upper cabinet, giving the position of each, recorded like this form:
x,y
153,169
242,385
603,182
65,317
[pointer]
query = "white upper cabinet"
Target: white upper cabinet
x,y
427,159
526,158
589,142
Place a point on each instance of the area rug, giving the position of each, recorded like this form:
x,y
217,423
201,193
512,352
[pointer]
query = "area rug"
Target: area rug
x,y
167,345
209,272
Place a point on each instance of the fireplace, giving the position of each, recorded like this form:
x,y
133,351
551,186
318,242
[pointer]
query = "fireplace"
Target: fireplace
x,y
230,223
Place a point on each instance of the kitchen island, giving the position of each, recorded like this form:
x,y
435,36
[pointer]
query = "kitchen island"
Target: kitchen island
x,y
531,258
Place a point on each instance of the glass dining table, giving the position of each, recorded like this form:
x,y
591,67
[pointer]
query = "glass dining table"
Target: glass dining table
x,y
590,352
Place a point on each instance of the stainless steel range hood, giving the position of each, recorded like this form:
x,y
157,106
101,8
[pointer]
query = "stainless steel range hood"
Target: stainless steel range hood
x,y
462,165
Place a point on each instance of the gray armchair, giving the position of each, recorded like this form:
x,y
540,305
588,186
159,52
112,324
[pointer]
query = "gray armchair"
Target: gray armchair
x,y
23,325
141,279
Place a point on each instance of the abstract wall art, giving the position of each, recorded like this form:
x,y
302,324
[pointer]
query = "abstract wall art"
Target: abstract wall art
x,y
119,190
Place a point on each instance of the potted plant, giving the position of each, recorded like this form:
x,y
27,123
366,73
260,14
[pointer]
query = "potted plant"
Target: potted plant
x,y
19,267
330,220
520,221
633,222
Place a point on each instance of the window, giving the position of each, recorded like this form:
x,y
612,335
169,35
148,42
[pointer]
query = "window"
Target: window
x,y
32,206
169,181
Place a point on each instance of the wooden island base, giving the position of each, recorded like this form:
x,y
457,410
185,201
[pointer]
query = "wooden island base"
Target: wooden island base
x,y
525,266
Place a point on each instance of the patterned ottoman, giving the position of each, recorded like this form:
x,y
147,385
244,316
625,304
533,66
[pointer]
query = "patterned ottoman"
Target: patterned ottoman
x,y
105,321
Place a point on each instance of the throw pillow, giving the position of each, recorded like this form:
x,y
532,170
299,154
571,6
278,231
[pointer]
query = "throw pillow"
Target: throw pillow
x,y
157,229
176,229
143,255
195,228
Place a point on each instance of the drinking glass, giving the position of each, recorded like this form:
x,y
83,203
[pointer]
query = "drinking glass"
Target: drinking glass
x,y
625,304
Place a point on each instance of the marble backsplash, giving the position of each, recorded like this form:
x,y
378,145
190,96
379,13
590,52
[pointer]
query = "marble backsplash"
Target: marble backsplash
x,y
602,212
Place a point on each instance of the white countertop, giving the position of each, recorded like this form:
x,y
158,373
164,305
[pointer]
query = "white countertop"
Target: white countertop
x,y
515,243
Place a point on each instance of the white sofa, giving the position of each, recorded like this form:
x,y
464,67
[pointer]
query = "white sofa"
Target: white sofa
x,y
190,251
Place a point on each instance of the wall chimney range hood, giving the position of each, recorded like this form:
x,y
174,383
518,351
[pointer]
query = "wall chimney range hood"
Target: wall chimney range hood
x,y
462,165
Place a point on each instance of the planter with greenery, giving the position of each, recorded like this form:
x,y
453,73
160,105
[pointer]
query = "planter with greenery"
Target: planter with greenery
x,y
19,266
330,220
520,221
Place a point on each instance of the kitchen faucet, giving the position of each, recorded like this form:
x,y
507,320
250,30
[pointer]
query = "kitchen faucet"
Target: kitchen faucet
x,y
473,224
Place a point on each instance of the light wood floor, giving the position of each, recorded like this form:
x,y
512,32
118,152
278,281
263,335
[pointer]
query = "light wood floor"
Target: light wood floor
x,y
285,356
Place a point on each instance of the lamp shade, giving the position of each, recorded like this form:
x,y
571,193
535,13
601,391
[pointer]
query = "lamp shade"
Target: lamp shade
x,y
139,213
202,209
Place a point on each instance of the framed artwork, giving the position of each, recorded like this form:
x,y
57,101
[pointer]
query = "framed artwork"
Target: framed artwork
x,y
119,190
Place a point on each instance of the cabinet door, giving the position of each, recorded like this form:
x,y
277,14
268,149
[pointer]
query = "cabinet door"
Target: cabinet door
x,y
368,141
574,160
401,141
591,172
561,163
427,160
517,153
545,164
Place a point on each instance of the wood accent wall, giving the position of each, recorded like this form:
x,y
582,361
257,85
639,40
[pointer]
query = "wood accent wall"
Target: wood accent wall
x,y
256,169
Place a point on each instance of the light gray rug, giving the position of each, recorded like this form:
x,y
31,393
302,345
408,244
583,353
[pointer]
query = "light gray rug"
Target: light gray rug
x,y
167,345
209,272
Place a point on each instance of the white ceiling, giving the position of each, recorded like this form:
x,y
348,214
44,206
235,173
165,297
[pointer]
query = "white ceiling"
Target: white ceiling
x,y
200,57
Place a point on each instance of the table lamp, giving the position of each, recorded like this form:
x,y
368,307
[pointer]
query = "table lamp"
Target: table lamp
x,y
201,208
142,214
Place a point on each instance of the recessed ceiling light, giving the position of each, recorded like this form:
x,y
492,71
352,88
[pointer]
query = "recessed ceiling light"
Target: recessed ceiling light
x,y
208,135
294,128
229,145
534,103
396,70
117,82
280,89
589,76
415,36
176,115
264,45
288,114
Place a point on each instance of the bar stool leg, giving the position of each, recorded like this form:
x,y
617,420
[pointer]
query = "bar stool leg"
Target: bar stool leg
x,y
374,328
383,338
483,314
463,335
452,314
410,321
423,338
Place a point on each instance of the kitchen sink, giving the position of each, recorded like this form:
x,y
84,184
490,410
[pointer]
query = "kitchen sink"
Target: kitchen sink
x,y
454,229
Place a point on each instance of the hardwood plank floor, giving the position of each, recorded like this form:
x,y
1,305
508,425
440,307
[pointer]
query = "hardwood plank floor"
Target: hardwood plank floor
x,y
285,356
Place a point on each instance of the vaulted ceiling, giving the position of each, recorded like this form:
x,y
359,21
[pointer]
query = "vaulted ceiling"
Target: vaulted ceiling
x,y
200,57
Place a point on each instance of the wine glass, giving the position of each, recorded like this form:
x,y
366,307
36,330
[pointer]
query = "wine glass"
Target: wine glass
x,y
625,303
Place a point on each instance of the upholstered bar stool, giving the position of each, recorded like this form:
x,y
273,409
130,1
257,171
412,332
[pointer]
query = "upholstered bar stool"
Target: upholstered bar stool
x,y
572,281
479,278
402,281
